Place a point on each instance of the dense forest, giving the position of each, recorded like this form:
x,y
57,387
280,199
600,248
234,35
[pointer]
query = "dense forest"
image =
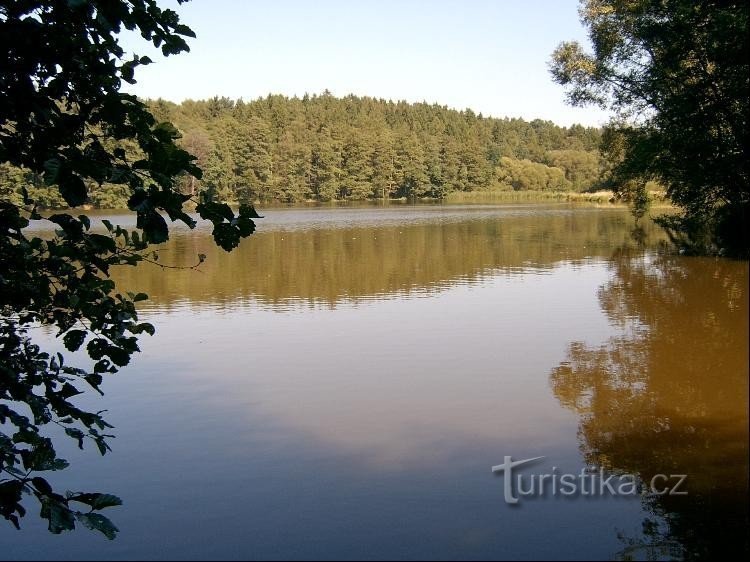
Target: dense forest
x,y
324,148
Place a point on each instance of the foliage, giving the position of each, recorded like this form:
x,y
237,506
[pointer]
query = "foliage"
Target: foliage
x,y
525,175
324,148
582,168
70,136
676,73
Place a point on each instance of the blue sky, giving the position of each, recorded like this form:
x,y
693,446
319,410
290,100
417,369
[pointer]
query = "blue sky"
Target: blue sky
x,y
488,55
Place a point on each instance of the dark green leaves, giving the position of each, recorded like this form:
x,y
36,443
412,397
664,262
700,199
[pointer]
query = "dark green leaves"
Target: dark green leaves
x,y
226,236
94,381
677,77
184,30
76,434
215,212
74,339
11,493
98,522
41,455
67,129
143,327
96,500
41,485
52,170
89,161
154,227
60,518
248,211
72,189
228,228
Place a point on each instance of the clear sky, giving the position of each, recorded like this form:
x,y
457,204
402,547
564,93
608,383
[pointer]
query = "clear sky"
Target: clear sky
x,y
487,55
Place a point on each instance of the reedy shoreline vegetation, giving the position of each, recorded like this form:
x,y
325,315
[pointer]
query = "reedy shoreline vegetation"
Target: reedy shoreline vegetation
x,y
657,198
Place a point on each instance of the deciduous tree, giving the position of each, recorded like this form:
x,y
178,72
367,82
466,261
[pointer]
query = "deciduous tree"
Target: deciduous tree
x,y
65,122
676,74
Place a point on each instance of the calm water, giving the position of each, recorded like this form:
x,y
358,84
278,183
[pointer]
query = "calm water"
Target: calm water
x,y
342,383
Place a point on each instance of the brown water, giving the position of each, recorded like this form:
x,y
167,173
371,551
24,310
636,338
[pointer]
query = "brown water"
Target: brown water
x,y
340,385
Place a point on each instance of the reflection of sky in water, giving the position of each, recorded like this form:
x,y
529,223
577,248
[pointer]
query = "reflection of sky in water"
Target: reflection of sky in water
x,y
382,376
367,430
362,215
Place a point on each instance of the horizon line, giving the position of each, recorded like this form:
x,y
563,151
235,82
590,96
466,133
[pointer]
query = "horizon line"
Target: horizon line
x,y
367,96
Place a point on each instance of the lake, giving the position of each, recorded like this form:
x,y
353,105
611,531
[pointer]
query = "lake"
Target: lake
x,y
341,385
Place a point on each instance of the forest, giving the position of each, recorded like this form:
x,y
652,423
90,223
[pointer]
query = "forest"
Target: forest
x,y
324,148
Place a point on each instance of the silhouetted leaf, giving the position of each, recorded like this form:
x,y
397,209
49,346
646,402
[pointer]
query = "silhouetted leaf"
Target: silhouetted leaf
x,y
73,190
41,485
76,434
74,339
154,227
96,500
60,518
52,170
98,522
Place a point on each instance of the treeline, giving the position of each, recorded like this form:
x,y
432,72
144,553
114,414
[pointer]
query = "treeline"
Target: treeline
x,y
324,148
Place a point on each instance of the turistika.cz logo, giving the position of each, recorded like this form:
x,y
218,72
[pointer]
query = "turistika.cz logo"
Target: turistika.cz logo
x,y
588,482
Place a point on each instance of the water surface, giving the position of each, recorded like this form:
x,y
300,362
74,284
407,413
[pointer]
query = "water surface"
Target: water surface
x,y
340,385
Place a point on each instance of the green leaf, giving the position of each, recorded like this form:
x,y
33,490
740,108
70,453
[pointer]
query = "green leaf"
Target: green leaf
x,y
52,169
98,522
73,190
102,366
11,494
249,212
68,391
76,434
60,517
226,236
118,355
184,30
94,380
146,327
96,500
74,339
154,227
85,221
102,446
41,485
59,464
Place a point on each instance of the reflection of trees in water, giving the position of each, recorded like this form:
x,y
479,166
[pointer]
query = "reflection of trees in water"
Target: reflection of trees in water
x,y
330,265
670,396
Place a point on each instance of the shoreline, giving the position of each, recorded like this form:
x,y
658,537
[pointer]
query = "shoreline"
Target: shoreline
x,y
603,199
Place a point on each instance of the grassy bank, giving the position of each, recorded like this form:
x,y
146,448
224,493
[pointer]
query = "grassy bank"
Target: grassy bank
x,y
658,198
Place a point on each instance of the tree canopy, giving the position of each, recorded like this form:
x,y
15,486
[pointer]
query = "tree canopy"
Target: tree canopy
x,y
677,76
65,123
321,148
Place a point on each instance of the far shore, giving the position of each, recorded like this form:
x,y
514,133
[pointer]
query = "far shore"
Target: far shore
x,y
595,198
